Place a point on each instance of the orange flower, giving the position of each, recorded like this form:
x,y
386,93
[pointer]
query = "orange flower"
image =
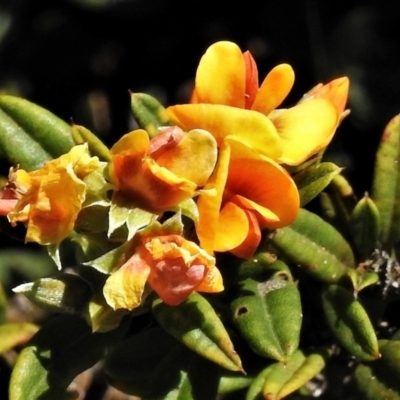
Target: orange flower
x,y
49,199
158,174
253,193
227,102
172,266
336,91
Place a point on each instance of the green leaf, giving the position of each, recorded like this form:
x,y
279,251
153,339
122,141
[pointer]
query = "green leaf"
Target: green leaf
x,y
15,333
268,315
3,304
312,180
97,148
350,323
195,323
31,135
373,387
386,183
62,349
61,293
284,378
361,280
149,113
364,226
134,218
315,246
256,387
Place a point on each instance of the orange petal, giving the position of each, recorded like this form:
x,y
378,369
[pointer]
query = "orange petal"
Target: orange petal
x,y
248,127
56,206
232,229
220,77
179,266
125,287
209,205
264,215
155,188
212,282
305,129
250,244
276,86
267,184
336,91
193,158
135,142
251,79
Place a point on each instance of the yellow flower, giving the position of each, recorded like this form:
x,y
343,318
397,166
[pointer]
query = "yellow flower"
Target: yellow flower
x,y
172,266
49,199
158,174
226,101
253,193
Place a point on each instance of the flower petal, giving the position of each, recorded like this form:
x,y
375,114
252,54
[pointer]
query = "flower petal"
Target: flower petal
x,y
193,158
124,288
276,86
220,77
251,79
232,228
249,127
209,205
267,184
305,129
249,246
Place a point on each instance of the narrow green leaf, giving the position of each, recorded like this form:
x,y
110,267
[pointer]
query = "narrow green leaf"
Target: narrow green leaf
x,y
373,387
386,183
61,293
312,180
31,135
268,315
364,227
256,388
62,349
195,323
284,378
361,280
96,146
149,113
350,323
315,246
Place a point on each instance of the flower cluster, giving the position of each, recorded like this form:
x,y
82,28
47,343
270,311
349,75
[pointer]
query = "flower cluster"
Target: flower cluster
x,y
226,152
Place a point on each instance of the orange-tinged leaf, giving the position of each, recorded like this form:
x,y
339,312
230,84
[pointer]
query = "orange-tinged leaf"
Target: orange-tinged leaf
x,y
220,77
15,333
274,89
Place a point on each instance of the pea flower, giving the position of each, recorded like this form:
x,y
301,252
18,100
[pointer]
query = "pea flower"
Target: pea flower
x,y
227,101
50,198
169,264
253,193
158,174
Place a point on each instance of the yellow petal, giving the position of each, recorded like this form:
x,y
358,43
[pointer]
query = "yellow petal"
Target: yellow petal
x,y
135,142
220,77
276,86
58,202
193,158
305,129
248,127
266,184
125,287
232,228
209,205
